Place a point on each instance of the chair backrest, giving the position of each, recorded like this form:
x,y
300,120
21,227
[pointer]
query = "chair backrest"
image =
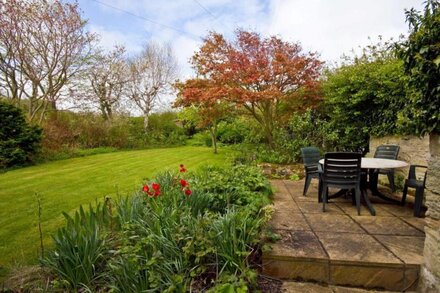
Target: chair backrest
x,y
387,151
342,168
310,156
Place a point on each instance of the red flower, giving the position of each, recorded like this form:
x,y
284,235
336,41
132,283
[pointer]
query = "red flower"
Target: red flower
x,y
145,188
188,192
183,183
182,166
156,193
150,193
155,186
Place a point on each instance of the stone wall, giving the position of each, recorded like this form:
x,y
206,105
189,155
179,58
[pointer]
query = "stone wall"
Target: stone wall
x,y
430,274
413,149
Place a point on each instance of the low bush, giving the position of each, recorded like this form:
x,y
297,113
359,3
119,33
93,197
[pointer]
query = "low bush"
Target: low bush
x,y
181,232
234,131
19,141
67,134
309,128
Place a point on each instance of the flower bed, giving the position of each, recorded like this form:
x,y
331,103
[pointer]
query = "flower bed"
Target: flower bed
x,y
180,232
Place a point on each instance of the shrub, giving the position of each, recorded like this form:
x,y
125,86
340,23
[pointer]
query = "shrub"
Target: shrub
x,y
364,96
66,132
18,140
301,130
421,56
235,131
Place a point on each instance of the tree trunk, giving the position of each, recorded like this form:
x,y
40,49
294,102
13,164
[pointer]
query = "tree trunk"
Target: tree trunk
x,y
146,116
213,131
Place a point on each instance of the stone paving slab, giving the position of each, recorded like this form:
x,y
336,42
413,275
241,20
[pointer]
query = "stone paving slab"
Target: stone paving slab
x,y
308,207
351,210
418,223
409,249
301,287
286,205
386,226
327,222
298,244
288,221
356,248
337,247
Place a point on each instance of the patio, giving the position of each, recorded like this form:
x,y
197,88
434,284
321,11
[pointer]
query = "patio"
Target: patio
x,y
340,248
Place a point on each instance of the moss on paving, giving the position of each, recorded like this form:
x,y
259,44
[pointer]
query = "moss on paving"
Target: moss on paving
x,y
67,184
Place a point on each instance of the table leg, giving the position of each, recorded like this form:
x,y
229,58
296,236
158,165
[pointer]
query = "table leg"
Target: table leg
x,y
373,187
367,202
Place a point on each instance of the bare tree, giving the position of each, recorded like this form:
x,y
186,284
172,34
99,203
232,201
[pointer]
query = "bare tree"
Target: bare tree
x,y
107,78
150,77
43,44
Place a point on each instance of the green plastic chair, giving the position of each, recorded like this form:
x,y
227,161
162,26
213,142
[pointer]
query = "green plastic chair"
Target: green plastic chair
x,y
311,157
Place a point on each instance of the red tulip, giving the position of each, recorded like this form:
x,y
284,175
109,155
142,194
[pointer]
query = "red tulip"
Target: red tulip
x,y
183,183
155,186
145,188
188,192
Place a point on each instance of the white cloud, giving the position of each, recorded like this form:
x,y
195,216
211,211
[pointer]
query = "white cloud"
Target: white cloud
x,y
335,27
330,27
109,38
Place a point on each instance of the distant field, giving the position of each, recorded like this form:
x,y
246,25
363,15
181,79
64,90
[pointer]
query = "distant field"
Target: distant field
x,y
64,185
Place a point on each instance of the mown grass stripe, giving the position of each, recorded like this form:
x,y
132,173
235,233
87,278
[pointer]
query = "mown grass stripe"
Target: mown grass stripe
x,y
64,185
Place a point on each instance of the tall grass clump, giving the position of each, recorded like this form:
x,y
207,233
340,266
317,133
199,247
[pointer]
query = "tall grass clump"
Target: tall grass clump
x,y
81,248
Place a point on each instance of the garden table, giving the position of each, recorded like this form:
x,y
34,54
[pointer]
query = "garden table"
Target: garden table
x,y
372,164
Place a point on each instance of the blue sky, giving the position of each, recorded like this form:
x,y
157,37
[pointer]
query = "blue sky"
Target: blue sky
x,y
330,27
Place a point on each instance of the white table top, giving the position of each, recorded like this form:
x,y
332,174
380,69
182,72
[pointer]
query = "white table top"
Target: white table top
x,y
374,163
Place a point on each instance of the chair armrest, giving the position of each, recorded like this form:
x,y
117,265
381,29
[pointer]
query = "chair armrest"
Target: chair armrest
x,y
419,166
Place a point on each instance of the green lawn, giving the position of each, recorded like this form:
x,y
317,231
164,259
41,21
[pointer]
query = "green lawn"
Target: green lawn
x,y
64,185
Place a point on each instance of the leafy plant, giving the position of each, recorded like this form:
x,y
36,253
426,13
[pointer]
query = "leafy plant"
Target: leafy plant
x,y
178,230
81,247
420,54
19,141
364,96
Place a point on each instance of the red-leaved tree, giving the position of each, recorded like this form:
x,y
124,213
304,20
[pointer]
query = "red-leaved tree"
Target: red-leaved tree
x,y
256,73
207,99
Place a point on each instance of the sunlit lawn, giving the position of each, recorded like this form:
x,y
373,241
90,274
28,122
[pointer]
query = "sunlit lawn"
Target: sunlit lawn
x,y
64,185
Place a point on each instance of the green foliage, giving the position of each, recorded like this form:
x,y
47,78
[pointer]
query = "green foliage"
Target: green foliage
x,y
66,134
364,97
421,57
238,186
18,140
80,248
67,184
201,139
169,242
234,131
301,130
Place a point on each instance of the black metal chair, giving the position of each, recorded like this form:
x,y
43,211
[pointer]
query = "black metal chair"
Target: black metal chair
x,y
387,151
342,170
419,186
311,157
